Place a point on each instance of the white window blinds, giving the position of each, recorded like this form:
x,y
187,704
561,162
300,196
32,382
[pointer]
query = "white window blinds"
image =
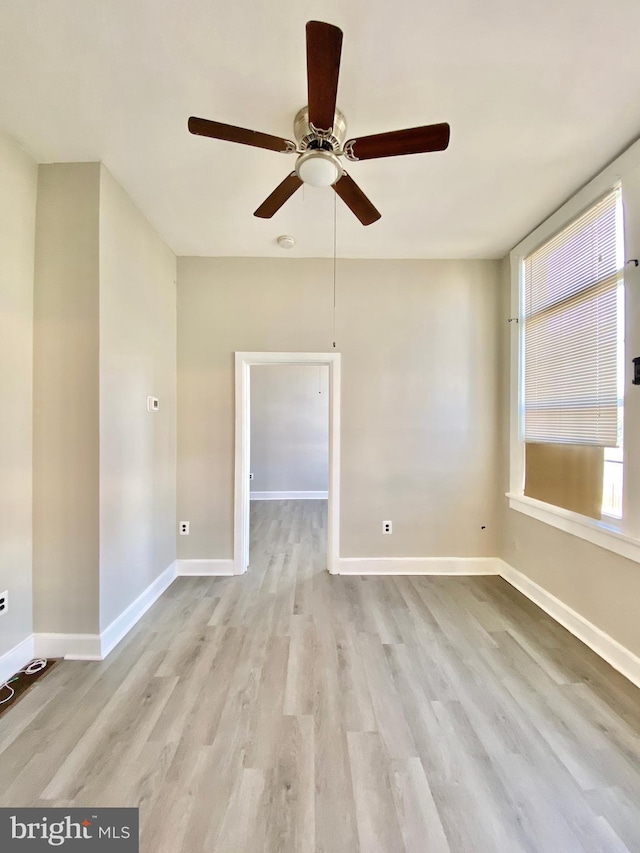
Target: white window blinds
x,y
570,332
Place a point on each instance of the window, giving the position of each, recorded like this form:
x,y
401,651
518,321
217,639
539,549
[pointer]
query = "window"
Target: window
x,y
612,483
574,362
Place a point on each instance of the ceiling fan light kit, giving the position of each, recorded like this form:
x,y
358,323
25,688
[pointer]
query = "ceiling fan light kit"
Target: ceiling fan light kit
x,y
319,168
320,131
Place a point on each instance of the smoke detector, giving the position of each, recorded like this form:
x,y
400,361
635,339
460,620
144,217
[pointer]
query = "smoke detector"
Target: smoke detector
x,y
286,241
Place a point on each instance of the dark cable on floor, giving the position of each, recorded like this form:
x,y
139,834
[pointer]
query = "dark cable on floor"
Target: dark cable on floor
x,y
30,669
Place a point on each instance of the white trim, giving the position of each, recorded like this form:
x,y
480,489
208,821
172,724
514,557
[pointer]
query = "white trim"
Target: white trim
x,y
516,377
17,657
68,646
590,529
620,658
98,646
242,452
244,361
121,625
419,566
205,568
289,496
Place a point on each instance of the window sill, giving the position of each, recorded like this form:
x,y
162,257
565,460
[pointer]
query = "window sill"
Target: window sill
x,y
598,532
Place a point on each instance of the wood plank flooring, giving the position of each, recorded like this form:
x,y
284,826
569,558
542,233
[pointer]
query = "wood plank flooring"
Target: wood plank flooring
x,y
288,711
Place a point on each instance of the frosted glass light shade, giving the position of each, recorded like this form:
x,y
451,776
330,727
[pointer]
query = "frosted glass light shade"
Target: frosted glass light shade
x,y
318,168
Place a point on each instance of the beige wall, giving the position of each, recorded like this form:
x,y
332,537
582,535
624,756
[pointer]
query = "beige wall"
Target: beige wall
x,y
137,359
65,447
419,344
601,586
18,182
289,428
104,467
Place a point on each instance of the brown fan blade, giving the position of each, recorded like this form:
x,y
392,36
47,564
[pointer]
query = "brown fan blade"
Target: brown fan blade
x,y
230,133
324,46
356,200
414,140
282,193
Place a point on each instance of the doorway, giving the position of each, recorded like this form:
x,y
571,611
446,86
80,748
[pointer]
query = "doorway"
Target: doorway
x,y
244,364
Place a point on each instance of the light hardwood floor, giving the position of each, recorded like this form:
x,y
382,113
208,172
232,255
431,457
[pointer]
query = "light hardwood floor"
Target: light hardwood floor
x,y
288,710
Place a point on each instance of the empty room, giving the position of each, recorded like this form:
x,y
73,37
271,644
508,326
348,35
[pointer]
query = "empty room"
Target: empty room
x,y
289,460
319,418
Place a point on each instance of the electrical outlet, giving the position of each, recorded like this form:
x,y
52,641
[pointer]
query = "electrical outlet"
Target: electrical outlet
x,y
251,476
387,527
184,528
4,602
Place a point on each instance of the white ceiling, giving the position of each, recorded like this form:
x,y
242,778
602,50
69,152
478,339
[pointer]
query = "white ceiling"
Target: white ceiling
x,y
540,96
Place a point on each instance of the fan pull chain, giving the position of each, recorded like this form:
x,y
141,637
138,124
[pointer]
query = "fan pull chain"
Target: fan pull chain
x,y
334,270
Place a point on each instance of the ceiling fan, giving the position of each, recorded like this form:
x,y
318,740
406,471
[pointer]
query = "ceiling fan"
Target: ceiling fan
x,y
320,131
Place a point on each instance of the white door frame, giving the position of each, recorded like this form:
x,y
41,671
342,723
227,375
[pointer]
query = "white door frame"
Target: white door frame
x,y
244,361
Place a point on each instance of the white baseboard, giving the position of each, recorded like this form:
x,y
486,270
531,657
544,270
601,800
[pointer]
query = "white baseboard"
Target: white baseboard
x,y
17,657
289,496
98,646
418,566
111,636
204,568
68,646
620,658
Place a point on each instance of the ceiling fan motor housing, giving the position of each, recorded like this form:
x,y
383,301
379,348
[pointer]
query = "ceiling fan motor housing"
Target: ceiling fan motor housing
x,y
309,137
318,163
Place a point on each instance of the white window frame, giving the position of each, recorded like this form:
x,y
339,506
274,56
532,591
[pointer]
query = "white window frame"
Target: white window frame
x,y
620,536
